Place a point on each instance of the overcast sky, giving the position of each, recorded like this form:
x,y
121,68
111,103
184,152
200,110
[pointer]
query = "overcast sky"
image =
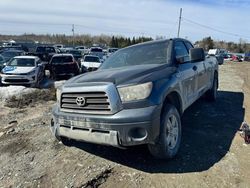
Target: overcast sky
x,y
228,18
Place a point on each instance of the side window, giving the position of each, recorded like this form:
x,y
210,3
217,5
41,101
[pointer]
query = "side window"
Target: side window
x,y
181,51
189,46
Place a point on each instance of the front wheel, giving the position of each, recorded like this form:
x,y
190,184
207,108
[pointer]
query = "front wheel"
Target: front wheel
x,y
169,140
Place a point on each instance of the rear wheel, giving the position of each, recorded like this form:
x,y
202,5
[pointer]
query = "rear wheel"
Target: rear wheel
x,y
169,140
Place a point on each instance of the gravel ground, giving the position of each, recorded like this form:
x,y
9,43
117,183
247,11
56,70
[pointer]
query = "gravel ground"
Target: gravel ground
x,y
212,153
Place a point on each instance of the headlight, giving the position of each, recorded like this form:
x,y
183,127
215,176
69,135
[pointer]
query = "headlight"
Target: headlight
x,y
136,92
58,95
32,72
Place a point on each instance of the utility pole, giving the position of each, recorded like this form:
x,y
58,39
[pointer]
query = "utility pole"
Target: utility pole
x,y
179,27
73,31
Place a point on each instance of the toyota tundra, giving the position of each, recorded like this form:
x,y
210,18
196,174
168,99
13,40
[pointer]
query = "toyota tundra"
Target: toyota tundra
x,y
137,96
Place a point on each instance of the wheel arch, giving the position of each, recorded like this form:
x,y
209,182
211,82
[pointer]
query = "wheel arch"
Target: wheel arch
x,y
174,98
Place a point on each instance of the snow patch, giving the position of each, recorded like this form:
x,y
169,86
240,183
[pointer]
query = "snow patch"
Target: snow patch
x,y
17,91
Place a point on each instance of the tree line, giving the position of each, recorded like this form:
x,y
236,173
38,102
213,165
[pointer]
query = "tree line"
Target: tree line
x,y
77,40
119,41
208,43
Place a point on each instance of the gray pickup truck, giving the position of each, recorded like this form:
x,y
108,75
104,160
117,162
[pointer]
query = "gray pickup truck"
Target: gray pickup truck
x,y
137,96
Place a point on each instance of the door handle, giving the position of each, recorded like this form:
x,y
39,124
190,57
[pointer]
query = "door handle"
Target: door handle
x,y
195,68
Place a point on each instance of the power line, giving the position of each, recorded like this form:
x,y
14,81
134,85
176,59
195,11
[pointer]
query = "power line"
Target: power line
x,y
214,29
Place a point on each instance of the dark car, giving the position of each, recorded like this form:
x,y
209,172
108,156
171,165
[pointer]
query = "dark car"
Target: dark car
x,y
62,65
9,54
247,56
45,53
2,61
76,53
97,52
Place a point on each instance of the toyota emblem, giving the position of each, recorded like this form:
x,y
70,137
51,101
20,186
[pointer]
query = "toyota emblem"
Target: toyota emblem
x,y
80,101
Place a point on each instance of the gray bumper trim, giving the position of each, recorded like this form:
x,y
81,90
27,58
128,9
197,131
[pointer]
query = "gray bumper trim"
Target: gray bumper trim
x,y
88,135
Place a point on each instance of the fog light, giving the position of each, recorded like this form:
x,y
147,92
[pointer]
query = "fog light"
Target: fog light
x,y
138,134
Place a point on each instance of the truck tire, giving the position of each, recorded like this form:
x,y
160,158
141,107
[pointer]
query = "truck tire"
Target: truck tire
x,y
212,93
66,141
169,140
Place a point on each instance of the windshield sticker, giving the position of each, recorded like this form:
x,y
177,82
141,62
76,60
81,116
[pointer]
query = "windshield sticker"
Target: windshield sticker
x,y
9,68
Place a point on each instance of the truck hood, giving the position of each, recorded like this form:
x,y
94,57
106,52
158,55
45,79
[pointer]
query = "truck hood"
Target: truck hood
x,y
17,70
124,75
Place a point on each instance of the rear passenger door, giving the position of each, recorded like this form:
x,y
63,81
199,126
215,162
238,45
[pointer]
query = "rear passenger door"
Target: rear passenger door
x,y
187,73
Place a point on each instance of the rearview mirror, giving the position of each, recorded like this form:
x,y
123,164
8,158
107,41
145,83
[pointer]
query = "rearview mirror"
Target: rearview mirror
x,y
196,55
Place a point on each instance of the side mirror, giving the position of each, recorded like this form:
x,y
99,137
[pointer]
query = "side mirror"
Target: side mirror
x,y
180,60
4,64
196,55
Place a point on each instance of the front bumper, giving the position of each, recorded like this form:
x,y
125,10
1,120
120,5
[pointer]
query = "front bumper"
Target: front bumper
x,y
126,128
18,79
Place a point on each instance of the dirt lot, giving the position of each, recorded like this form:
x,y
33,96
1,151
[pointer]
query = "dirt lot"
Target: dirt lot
x,y
212,153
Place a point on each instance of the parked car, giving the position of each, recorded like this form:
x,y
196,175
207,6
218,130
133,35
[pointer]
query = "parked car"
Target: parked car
x,y
247,56
84,50
9,54
77,55
218,53
228,57
237,58
23,70
45,53
90,63
97,51
63,65
136,97
111,51
2,62
59,46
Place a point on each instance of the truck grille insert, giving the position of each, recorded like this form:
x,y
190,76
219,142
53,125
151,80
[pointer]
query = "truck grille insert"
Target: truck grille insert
x,y
87,101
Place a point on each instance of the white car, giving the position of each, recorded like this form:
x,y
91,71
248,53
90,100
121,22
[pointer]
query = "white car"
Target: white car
x,y
23,70
90,63
84,50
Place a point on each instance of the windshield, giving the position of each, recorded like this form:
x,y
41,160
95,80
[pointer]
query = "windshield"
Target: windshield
x,y
91,59
45,49
74,52
96,50
111,50
10,54
61,59
153,53
22,62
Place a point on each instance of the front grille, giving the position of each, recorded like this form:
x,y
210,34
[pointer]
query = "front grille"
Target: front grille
x,y
16,80
94,101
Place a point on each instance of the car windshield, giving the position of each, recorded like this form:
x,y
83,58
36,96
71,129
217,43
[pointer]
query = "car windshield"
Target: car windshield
x,y
152,53
45,49
96,50
22,62
61,59
74,52
10,54
91,59
111,50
